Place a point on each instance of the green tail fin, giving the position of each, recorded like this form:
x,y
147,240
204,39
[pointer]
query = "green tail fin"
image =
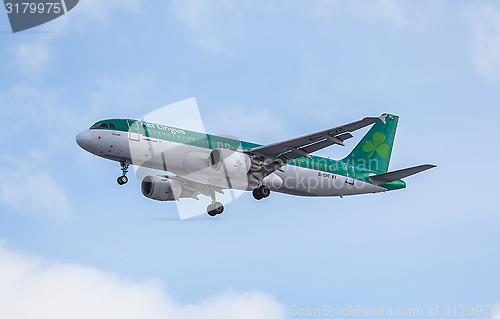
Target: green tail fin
x,y
373,152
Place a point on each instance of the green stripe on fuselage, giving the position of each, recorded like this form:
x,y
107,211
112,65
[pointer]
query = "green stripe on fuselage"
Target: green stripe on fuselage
x,y
209,141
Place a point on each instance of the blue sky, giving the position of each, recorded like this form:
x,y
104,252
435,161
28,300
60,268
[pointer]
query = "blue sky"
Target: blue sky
x,y
263,71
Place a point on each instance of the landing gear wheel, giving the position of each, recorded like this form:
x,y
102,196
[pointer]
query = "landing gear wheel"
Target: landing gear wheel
x,y
122,180
264,191
261,192
219,208
211,211
256,194
215,209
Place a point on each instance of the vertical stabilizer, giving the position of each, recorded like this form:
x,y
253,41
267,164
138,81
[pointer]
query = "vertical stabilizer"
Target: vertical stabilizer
x,y
373,152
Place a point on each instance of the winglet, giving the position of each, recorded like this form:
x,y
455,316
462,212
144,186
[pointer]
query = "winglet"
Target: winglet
x,y
382,118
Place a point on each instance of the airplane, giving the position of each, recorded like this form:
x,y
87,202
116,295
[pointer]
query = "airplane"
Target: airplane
x,y
196,163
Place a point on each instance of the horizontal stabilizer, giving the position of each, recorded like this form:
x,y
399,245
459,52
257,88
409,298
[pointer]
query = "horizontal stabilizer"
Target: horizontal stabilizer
x,y
399,174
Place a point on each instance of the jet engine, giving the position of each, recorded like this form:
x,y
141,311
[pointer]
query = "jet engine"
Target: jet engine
x,y
195,162
160,188
230,163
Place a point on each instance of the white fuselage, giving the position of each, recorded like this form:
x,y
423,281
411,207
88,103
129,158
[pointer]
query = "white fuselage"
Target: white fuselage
x,y
191,162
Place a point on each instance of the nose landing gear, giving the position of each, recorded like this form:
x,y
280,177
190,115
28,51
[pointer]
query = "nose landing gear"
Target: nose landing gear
x,y
124,167
261,192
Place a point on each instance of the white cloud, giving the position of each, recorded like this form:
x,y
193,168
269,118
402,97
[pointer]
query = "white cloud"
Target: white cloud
x,y
497,312
100,12
26,186
34,288
127,93
92,12
32,58
27,190
38,110
484,21
51,111
389,10
412,14
214,25
219,25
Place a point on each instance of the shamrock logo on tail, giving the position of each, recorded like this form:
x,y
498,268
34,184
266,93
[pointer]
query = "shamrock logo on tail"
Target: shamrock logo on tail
x,y
377,145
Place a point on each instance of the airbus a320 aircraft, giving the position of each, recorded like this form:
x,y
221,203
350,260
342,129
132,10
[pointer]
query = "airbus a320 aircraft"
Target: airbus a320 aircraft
x,y
197,163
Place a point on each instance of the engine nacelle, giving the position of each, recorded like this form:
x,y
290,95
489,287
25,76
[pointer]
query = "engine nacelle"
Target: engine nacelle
x,y
230,163
195,161
160,188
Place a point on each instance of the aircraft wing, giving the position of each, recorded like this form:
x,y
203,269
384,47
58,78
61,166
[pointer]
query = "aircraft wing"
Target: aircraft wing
x,y
304,145
195,188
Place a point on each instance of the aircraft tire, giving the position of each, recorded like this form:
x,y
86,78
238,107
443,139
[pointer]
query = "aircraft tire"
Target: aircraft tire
x,y
122,180
218,207
256,194
215,209
264,191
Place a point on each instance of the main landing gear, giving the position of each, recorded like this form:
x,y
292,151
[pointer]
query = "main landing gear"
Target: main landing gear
x,y
123,179
261,192
216,207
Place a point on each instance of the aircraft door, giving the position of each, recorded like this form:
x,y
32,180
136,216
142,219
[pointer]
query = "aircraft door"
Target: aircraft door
x,y
134,131
350,174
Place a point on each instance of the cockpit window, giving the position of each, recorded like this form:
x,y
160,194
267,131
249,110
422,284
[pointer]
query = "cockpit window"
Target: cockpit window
x,y
102,125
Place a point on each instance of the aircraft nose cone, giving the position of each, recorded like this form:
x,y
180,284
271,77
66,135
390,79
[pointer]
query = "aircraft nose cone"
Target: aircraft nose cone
x,y
83,140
